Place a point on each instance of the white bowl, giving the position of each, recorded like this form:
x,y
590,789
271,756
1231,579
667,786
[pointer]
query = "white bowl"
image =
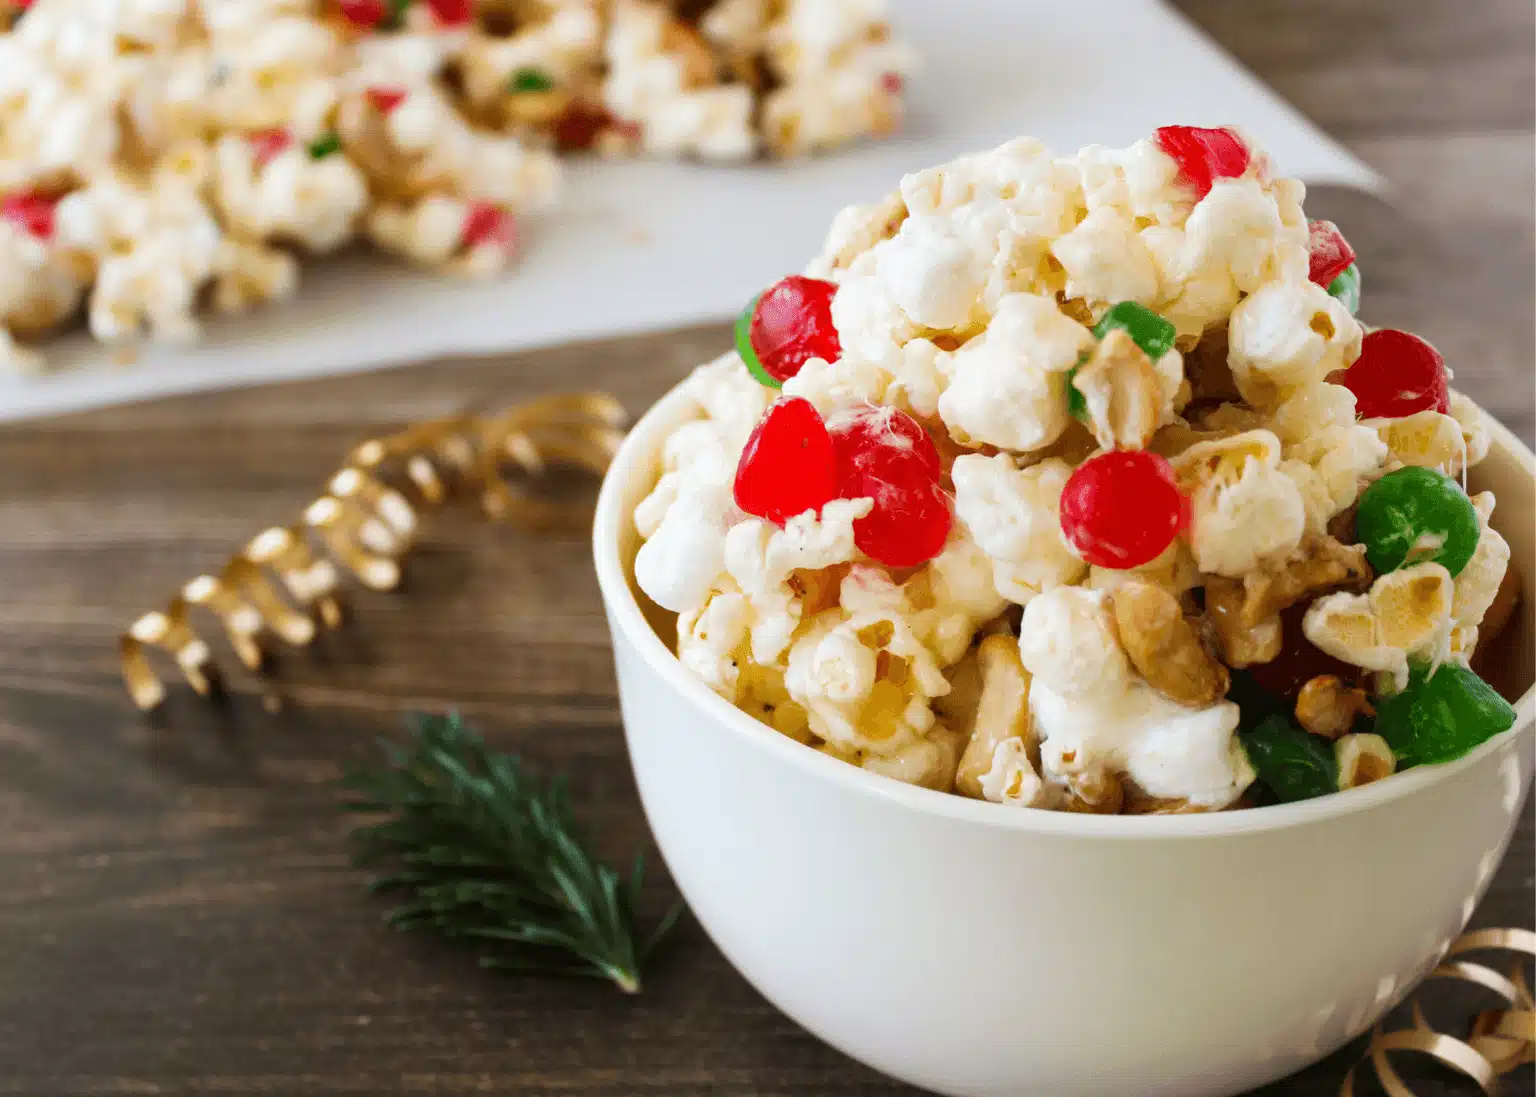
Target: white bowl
x,y
979,950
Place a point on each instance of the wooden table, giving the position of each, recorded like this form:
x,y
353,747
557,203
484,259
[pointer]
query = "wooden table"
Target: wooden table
x,y
176,911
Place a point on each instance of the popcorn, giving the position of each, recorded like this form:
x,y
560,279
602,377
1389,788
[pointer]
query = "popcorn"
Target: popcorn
x,y
1106,261
1244,509
1007,387
1427,439
1069,644
290,125
1406,614
970,302
1012,514
1287,335
293,197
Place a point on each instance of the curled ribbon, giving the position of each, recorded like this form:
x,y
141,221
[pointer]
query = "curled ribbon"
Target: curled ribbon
x,y
286,581
1500,1040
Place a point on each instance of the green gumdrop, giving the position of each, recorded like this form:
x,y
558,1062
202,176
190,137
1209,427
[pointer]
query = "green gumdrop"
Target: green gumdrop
x,y
1346,287
744,347
1415,515
1294,764
324,146
1077,403
1441,715
530,79
1147,329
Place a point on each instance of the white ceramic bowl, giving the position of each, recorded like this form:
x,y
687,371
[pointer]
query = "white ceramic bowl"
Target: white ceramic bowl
x,y
979,950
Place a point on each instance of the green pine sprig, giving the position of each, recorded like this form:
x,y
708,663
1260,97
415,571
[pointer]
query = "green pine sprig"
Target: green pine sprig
x,y
486,856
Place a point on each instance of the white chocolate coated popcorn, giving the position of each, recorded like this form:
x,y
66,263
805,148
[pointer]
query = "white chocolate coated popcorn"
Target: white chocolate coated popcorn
x,y
306,131
968,299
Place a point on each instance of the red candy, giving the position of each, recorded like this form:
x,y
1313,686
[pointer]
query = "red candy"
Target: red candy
x,y
385,97
788,465
795,462
266,144
1327,251
363,13
1397,374
31,212
452,13
870,435
892,82
885,455
793,324
487,223
1203,155
1121,509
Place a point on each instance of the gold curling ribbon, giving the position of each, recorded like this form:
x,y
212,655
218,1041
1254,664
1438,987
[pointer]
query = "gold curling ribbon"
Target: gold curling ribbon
x,y
1500,1040
285,582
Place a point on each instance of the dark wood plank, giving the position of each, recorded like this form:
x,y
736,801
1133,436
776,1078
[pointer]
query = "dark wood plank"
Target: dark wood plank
x,y
176,911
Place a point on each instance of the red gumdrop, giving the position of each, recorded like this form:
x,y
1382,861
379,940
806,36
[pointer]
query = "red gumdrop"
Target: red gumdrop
x,y
385,97
868,436
266,144
788,465
31,212
885,455
793,324
452,13
488,223
910,520
366,14
1328,253
892,82
1203,155
1397,374
1121,509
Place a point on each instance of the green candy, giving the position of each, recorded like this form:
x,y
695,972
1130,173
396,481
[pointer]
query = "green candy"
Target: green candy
x,y
1441,715
1294,765
744,347
324,146
1147,329
1415,515
1346,287
530,79
395,16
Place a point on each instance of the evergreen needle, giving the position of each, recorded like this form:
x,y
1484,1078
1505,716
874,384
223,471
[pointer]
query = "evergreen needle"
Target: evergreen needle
x,y
482,854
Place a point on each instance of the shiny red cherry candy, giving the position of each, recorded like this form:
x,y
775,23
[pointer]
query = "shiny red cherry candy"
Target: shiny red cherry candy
x,y
488,223
1328,253
791,324
885,455
385,97
366,14
31,212
1203,155
267,144
452,13
1122,509
788,465
1397,374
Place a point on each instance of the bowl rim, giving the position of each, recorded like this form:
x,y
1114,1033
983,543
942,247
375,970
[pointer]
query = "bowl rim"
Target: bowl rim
x,y
626,618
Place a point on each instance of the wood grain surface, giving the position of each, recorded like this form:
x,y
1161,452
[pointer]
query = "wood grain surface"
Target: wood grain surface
x,y
176,911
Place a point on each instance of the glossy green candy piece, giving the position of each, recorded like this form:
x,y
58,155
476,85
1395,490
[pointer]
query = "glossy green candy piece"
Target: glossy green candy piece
x,y
1077,404
1294,764
1346,287
744,347
324,146
1147,329
1441,715
1416,515
529,79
